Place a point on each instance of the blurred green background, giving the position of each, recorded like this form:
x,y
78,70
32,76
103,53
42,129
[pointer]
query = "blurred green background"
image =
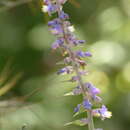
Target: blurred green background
x,y
31,94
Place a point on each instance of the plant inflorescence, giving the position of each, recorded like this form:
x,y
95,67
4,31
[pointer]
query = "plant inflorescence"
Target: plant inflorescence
x,y
74,63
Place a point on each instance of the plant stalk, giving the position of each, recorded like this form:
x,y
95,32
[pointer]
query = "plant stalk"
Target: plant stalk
x,y
76,68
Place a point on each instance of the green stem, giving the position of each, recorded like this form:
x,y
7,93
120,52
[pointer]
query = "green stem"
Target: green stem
x,y
90,124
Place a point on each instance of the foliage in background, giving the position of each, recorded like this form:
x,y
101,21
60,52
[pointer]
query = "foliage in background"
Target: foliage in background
x,y
105,24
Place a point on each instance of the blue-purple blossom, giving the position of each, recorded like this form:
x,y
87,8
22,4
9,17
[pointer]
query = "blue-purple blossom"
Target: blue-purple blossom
x,y
50,8
63,15
73,40
76,109
83,54
74,79
54,22
55,27
97,99
56,30
92,89
87,54
87,104
77,91
59,42
80,41
102,112
66,70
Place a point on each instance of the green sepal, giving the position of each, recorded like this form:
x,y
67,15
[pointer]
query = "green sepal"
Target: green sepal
x,y
69,94
76,122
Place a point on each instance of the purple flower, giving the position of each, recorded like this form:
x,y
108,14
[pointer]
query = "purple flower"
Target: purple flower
x,y
96,98
63,15
88,54
76,109
56,30
80,53
74,79
92,89
66,70
56,27
102,112
83,54
81,41
73,39
78,42
87,104
50,8
54,22
59,42
77,91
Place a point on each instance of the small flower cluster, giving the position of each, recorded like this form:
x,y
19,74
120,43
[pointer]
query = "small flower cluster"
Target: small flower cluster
x,y
74,61
92,92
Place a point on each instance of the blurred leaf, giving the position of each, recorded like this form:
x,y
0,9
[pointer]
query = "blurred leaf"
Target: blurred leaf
x,y
10,85
40,38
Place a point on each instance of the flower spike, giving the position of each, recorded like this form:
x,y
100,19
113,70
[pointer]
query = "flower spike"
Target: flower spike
x,y
75,64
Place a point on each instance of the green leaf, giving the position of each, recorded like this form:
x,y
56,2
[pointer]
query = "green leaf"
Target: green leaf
x,y
76,122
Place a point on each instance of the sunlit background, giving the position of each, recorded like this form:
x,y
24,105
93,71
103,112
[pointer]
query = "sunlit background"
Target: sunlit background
x,y
31,94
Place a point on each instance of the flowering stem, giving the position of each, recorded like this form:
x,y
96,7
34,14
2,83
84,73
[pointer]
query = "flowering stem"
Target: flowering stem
x,y
85,96
90,117
62,29
76,69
